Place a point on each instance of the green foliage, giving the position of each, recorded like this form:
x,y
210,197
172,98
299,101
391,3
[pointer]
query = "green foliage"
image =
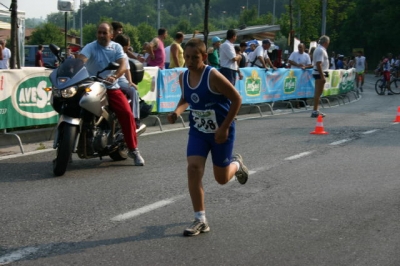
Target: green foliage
x,y
46,34
89,33
350,24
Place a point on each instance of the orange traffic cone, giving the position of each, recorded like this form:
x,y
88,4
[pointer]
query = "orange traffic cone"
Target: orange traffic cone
x,y
397,119
319,128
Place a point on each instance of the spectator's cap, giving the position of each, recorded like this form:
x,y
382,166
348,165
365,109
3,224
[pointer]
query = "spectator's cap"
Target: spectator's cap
x,y
215,39
266,41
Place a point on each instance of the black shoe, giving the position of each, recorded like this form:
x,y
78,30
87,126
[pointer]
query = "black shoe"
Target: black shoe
x,y
242,175
315,114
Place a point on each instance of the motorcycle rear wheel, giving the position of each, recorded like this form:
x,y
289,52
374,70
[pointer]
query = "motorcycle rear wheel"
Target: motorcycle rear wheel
x,y
122,152
64,150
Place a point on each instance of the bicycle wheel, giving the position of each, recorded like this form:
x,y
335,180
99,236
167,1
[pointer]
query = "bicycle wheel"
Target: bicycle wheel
x,y
395,86
379,86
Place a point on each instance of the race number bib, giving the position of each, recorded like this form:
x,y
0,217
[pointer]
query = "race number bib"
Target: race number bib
x,y
205,120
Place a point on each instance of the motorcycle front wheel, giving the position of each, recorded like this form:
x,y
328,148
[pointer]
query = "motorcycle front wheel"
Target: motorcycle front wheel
x,y
64,149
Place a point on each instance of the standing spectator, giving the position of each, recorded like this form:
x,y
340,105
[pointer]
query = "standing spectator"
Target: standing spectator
x,y
361,67
340,63
213,52
321,65
39,56
212,98
312,53
229,58
386,75
244,60
351,62
332,64
167,56
253,47
237,50
260,57
96,56
6,55
156,50
145,49
69,55
397,66
176,57
300,59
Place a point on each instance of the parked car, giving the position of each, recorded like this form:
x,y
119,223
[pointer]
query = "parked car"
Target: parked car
x,y
30,53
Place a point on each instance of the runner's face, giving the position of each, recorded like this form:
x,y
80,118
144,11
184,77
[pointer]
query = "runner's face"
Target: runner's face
x,y
194,59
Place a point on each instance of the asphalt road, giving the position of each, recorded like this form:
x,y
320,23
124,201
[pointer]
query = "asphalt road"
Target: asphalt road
x,y
310,200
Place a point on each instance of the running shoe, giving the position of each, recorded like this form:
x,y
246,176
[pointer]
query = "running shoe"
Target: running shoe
x,y
243,173
196,228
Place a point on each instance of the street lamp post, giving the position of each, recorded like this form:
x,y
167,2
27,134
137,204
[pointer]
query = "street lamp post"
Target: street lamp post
x,y
223,18
81,19
147,19
190,15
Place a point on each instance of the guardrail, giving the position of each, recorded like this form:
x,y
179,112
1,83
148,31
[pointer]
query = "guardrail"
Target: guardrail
x,y
24,103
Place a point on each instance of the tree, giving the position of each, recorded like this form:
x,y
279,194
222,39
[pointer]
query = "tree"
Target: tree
x,y
46,34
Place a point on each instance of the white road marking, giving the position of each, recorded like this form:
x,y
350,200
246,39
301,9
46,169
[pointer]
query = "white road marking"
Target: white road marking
x,y
298,156
145,209
17,255
370,131
340,141
24,154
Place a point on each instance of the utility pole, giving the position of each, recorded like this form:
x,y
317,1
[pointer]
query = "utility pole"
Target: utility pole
x,y
273,14
81,39
323,30
158,14
14,60
291,27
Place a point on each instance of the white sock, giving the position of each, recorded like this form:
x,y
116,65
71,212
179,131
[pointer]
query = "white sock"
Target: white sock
x,y
237,165
200,216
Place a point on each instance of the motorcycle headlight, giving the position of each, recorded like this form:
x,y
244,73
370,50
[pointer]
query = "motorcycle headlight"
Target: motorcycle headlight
x,y
68,92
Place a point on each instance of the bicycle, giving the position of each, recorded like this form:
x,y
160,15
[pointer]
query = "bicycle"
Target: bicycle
x,y
394,85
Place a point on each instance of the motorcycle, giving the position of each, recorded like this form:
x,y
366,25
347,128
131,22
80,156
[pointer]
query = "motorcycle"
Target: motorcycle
x,y
86,126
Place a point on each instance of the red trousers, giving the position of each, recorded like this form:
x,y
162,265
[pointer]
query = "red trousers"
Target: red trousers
x,y
119,104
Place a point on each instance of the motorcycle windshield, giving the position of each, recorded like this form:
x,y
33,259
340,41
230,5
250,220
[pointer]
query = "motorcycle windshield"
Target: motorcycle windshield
x,y
69,68
69,73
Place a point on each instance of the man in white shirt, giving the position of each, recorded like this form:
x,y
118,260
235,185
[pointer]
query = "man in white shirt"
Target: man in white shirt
x,y
321,65
259,58
300,59
4,62
167,56
361,68
228,58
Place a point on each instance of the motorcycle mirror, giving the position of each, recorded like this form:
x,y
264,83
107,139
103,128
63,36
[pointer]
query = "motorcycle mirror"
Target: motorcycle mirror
x,y
111,66
56,51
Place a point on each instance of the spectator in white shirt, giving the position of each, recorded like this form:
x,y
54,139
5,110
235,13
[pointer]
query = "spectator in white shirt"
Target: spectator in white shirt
x,y
300,59
6,55
228,58
260,57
